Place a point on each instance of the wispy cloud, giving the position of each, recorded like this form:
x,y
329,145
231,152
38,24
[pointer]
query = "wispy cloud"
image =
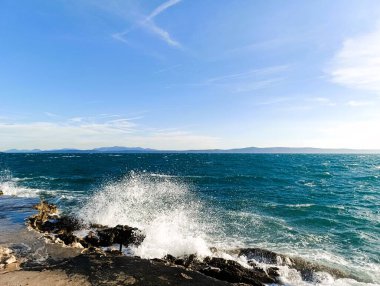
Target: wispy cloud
x,y
246,81
149,25
50,114
90,132
322,101
357,63
249,74
357,103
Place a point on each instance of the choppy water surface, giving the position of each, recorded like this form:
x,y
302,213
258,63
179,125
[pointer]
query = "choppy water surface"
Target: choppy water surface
x,y
325,208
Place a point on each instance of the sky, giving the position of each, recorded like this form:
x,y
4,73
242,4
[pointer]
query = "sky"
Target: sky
x,y
189,74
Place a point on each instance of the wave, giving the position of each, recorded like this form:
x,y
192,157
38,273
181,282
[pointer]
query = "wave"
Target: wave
x,y
299,205
176,222
10,186
165,209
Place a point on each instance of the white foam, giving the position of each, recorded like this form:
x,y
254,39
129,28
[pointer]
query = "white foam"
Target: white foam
x,y
163,208
10,188
299,205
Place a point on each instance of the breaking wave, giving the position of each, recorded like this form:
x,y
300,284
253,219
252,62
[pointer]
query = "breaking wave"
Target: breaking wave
x,y
172,218
175,221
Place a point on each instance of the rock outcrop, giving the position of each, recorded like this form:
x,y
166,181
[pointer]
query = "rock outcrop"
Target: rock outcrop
x,y
7,258
61,229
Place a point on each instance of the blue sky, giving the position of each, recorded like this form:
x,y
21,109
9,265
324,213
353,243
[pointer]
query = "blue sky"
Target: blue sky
x,y
189,74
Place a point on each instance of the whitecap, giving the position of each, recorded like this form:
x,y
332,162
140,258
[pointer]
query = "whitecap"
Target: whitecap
x,y
162,207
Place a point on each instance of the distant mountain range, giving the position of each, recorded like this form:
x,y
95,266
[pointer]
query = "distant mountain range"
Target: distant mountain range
x,y
248,150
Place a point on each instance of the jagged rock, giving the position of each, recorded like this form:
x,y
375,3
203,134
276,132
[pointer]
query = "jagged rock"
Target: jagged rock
x,y
120,234
68,238
226,270
4,251
76,245
92,239
262,255
93,250
45,207
11,259
306,268
97,226
234,272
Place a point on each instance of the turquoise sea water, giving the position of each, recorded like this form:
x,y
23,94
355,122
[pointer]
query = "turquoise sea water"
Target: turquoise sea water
x,y
324,208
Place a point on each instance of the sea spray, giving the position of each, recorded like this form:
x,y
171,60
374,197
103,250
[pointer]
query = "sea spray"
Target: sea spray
x,y
169,214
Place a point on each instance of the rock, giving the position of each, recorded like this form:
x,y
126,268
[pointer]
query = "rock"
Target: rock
x,y
76,245
1,193
97,225
2,266
45,207
169,258
306,268
186,276
106,236
93,250
234,272
261,255
58,240
68,238
226,270
120,234
5,251
60,230
11,259
92,239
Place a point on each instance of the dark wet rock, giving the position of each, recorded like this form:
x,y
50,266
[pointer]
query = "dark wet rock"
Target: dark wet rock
x,y
120,234
232,271
306,268
1,193
62,227
262,255
226,270
124,270
92,239
97,226
169,258
68,238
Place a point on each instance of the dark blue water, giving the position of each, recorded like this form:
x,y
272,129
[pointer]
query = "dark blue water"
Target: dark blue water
x,y
322,207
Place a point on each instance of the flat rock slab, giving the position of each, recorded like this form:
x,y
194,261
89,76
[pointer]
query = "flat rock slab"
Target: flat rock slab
x,y
38,278
124,270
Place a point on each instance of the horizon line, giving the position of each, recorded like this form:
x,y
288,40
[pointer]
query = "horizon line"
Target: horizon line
x,y
124,149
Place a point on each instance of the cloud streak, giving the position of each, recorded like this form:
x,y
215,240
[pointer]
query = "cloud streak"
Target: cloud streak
x,y
149,25
357,63
241,82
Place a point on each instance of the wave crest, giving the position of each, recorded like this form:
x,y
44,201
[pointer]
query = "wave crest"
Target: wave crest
x,y
162,207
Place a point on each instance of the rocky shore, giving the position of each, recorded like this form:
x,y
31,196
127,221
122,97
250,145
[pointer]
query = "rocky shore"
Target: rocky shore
x,y
101,262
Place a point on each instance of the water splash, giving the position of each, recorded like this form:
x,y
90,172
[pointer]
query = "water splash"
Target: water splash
x,y
170,215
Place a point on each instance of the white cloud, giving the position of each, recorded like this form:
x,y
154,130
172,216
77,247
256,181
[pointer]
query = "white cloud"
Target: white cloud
x,y
254,73
82,132
323,101
356,103
161,9
50,114
357,63
363,134
148,24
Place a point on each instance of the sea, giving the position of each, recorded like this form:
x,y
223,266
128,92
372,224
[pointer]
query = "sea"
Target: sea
x,y
320,207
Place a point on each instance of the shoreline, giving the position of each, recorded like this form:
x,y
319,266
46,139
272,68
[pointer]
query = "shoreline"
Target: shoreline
x,y
79,260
